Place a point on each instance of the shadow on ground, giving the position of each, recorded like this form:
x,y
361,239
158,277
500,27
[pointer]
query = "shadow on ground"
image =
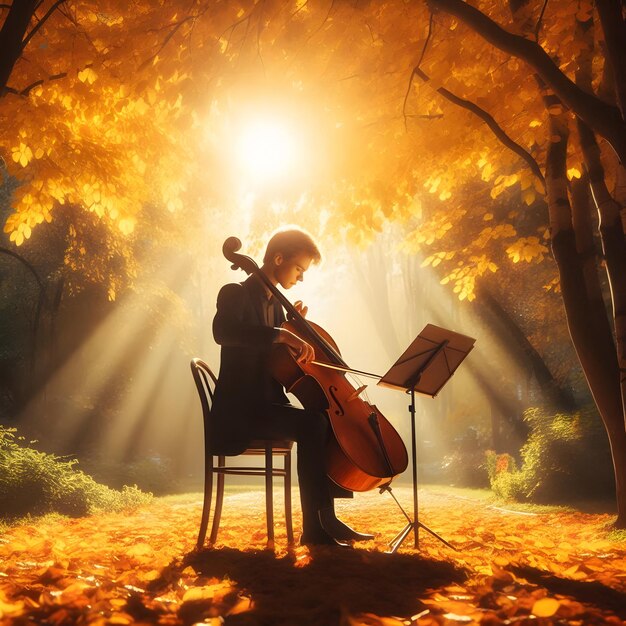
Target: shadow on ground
x,y
326,588
590,592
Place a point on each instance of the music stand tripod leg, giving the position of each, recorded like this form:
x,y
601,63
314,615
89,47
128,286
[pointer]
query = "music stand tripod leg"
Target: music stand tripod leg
x,y
414,524
399,538
434,534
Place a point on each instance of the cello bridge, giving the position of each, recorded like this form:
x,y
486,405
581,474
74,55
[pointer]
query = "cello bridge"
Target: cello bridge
x,y
357,393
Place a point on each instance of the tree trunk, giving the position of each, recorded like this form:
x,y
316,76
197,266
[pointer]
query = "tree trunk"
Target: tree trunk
x,y
571,244
11,37
587,321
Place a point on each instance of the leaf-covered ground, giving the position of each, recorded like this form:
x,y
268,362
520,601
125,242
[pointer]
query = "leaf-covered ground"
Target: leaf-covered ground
x,y
511,567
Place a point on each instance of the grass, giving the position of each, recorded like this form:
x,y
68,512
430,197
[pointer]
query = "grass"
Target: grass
x,y
31,520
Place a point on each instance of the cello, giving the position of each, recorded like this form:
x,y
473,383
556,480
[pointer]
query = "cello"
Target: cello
x,y
364,451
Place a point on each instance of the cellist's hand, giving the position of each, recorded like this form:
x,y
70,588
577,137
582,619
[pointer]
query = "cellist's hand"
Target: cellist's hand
x,y
298,305
300,308
304,351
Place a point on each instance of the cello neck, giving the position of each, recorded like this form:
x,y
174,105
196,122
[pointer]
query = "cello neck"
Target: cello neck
x,y
248,265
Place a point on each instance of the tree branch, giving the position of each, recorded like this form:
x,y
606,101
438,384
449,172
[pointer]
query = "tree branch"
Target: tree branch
x,y
41,22
408,89
491,122
540,20
614,29
41,81
167,39
602,117
32,270
233,27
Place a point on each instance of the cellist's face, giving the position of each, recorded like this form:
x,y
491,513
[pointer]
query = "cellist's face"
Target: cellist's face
x,y
290,271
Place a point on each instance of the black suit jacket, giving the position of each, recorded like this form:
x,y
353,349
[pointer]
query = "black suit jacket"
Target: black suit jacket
x,y
245,386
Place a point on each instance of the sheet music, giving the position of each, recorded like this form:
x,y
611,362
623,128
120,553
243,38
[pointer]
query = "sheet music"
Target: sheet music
x,y
423,348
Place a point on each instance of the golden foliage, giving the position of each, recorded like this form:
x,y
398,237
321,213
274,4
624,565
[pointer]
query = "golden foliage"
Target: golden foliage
x,y
526,249
121,116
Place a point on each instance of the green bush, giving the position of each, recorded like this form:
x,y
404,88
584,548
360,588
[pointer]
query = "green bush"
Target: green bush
x,y
36,483
566,458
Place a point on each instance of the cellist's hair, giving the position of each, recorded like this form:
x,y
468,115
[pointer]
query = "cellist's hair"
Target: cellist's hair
x,y
289,242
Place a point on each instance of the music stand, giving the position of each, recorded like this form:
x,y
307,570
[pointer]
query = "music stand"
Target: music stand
x,y
424,367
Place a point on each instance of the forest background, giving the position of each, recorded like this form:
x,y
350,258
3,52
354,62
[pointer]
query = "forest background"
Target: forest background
x,y
439,152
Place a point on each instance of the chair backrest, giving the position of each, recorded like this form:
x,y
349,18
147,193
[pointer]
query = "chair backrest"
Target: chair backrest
x,y
205,383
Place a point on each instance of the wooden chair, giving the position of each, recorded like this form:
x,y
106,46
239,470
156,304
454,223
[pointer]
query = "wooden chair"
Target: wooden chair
x,y
205,382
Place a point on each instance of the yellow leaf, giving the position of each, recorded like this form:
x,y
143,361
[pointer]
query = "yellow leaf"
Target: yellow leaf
x,y
573,172
22,154
528,196
10,608
487,217
195,594
243,604
434,184
140,549
127,226
546,607
87,76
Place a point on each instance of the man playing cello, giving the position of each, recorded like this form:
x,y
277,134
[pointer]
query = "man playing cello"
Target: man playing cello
x,y
250,404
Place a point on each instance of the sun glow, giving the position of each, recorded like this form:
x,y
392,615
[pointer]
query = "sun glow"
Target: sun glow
x,y
266,150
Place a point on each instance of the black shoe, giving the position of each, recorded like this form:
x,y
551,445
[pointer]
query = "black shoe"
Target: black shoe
x,y
341,531
320,537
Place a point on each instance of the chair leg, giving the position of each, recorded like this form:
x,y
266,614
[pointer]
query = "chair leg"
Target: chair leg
x,y
219,499
269,495
288,520
206,506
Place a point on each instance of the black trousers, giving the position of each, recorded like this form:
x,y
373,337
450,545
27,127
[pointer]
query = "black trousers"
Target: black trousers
x,y
310,430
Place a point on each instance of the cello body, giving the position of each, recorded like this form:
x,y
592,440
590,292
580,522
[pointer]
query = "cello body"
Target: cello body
x,y
358,457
